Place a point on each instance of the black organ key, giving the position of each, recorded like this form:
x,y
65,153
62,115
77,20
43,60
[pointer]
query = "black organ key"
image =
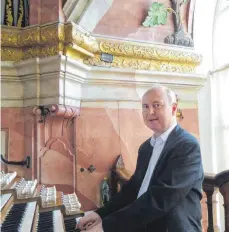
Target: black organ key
x,y
70,225
14,218
45,222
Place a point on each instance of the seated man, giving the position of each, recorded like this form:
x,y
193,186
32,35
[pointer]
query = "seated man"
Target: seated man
x,y
164,193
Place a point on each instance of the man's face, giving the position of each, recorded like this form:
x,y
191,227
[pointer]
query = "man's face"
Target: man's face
x,y
157,111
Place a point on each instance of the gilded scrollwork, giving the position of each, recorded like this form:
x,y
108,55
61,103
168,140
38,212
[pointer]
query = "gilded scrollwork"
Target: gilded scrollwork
x,y
9,13
49,34
76,36
9,38
142,64
11,54
28,37
43,40
133,50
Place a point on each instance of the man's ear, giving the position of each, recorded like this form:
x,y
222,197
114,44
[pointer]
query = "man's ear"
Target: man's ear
x,y
174,108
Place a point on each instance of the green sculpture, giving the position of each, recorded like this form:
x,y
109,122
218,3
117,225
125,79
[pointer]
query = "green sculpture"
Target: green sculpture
x,y
158,14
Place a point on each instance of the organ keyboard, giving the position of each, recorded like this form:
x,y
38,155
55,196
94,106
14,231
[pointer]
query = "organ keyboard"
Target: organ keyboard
x,y
28,207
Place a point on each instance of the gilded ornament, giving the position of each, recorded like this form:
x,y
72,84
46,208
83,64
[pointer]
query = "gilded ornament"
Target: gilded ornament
x,y
9,13
20,13
74,35
28,36
49,34
42,41
9,38
133,50
142,64
29,53
11,54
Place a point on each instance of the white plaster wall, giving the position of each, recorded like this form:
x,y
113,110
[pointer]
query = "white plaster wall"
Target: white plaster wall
x,y
203,31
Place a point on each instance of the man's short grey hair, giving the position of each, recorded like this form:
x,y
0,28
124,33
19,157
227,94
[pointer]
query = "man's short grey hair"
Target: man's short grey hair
x,y
170,93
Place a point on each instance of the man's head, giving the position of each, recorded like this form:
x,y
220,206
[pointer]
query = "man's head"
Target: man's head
x,y
159,109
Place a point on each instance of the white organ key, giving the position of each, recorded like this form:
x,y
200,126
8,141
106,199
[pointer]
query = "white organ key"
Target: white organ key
x,y
4,199
27,221
57,221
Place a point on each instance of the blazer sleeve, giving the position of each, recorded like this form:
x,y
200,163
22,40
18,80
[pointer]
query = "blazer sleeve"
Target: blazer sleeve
x,y
124,197
180,175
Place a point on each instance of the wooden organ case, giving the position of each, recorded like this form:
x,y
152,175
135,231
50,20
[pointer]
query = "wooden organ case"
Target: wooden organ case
x,y
29,207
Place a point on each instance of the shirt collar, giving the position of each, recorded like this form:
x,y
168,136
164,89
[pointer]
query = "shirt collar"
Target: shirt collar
x,y
163,137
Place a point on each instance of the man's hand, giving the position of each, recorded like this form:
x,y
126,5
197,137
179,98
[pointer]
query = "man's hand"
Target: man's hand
x,y
89,221
97,228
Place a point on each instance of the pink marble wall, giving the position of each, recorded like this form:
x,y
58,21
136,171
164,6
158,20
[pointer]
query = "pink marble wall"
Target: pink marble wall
x,y
124,19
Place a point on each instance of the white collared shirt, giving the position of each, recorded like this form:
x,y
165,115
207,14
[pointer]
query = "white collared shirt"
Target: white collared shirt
x,y
158,144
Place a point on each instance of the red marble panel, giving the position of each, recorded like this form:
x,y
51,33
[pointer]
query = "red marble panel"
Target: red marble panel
x,y
97,143
43,11
34,12
49,11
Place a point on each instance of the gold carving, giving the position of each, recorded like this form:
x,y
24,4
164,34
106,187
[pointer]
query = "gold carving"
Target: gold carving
x,y
81,39
142,64
148,52
49,34
28,37
20,13
11,54
9,12
41,41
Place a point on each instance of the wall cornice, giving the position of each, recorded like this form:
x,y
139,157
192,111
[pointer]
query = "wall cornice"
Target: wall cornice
x,y
46,40
69,39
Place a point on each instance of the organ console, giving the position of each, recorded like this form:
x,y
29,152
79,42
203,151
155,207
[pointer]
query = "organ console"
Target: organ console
x,y
29,207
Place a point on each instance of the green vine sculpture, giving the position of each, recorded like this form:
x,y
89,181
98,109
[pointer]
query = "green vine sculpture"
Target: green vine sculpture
x,y
158,14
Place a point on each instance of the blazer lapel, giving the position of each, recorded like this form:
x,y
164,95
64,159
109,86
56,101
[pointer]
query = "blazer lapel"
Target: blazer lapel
x,y
145,160
169,142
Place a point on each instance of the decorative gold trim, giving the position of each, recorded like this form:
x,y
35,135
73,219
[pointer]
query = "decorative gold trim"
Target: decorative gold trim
x,y
45,40
148,52
74,34
70,40
143,64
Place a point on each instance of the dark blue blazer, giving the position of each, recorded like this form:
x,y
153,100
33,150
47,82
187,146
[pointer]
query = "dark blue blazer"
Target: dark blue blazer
x,y
172,201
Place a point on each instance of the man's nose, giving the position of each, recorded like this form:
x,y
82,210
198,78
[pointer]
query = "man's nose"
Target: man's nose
x,y
151,110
